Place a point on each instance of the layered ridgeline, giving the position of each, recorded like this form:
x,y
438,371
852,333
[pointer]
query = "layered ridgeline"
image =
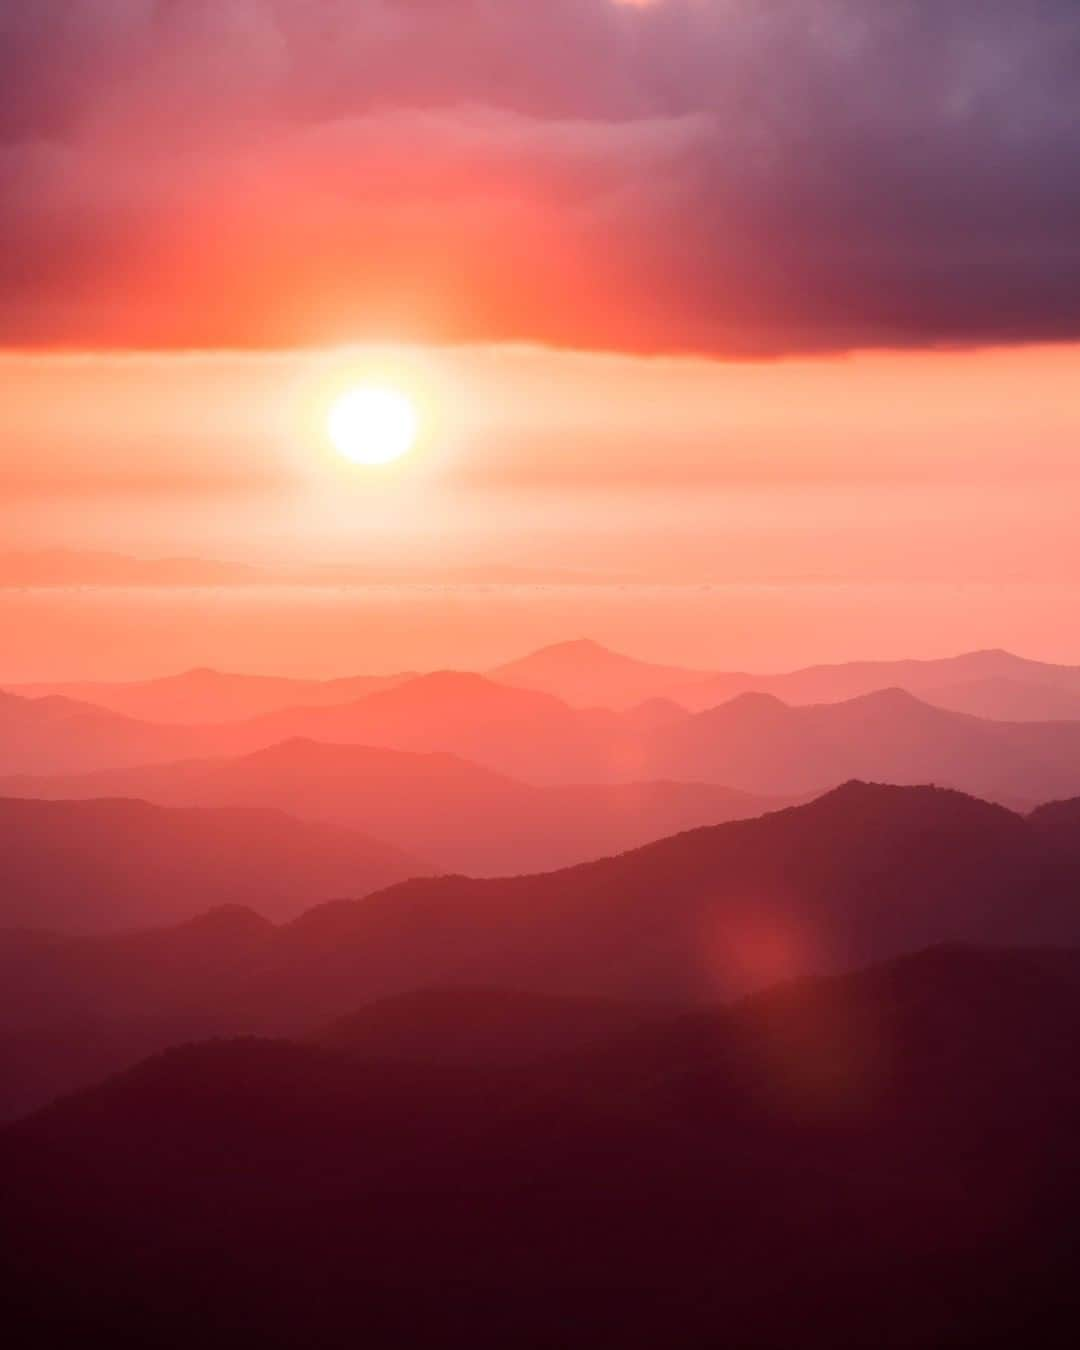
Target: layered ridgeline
x,y
753,743
106,865
458,814
861,874
880,1158
994,684
584,674
205,695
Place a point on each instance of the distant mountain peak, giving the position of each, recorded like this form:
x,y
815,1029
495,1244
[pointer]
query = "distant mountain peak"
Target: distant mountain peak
x,y
227,921
582,644
449,679
754,701
861,789
890,697
575,653
859,792
574,650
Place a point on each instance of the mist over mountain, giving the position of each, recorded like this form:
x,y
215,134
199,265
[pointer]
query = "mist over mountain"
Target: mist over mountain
x,y
465,817
752,741
452,895
585,674
756,743
204,695
863,873
107,865
534,735
528,735
1006,699
61,735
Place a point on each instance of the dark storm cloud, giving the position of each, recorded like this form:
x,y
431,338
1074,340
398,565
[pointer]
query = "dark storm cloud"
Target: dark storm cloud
x,y
722,175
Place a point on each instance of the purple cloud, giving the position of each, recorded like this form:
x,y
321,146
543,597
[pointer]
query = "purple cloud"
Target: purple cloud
x,y
715,175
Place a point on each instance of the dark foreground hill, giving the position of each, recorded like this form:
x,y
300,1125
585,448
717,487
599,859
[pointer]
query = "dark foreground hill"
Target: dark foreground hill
x,y
105,866
480,1027
861,874
884,1159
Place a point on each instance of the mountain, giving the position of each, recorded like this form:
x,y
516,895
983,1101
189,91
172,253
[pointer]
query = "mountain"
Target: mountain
x,y
106,865
205,696
759,744
884,1158
1057,820
529,735
753,744
481,1027
532,736
1003,699
468,818
585,675
861,874
853,679
81,1008
581,675
60,735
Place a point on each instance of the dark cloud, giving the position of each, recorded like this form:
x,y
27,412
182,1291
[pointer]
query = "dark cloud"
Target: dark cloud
x,y
719,175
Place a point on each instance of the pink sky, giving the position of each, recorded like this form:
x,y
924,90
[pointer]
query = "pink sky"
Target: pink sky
x,y
781,299
941,467
881,504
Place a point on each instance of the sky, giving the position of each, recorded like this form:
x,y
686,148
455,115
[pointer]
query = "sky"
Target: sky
x,y
689,293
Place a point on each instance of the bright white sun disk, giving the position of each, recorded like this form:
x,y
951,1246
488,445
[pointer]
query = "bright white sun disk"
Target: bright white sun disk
x,y
373,425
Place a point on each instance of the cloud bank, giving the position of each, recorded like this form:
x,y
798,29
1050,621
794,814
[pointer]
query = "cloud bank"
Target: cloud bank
x,y
722,176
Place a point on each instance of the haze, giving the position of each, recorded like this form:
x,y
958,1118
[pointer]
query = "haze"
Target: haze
x,y
539,674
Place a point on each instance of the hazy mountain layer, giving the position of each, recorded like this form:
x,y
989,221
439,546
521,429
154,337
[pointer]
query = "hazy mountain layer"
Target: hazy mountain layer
x,y
861,874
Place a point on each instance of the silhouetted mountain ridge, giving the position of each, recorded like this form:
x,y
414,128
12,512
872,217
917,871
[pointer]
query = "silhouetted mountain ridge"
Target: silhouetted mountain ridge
x,y
889,1149
865,872
481,1026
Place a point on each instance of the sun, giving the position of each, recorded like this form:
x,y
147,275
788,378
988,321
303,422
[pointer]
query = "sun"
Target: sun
x,y
373,424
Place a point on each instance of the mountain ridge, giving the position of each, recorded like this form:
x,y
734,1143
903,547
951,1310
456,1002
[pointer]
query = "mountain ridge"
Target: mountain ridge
x,y
110,863
926,1106
861,874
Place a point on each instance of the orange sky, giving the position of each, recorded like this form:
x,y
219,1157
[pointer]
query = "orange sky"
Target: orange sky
x,y
904,478
932,466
